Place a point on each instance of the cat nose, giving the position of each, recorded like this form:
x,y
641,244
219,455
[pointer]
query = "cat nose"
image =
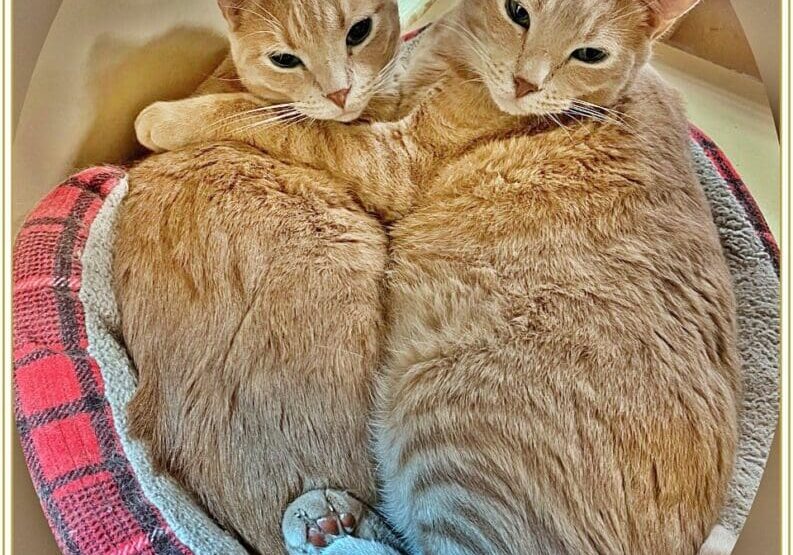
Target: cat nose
x,y
339,98
524,87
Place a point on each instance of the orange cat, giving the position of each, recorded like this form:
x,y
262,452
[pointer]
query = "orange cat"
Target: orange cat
x,y
561,374
251,290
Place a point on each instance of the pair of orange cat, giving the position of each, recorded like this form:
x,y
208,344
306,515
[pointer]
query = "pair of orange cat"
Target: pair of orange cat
x,y
497,299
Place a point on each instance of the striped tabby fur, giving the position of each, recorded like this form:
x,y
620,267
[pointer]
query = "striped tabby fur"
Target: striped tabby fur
x,y
561,374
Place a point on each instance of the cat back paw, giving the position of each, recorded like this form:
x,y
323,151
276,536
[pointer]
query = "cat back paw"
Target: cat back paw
x,y
320,518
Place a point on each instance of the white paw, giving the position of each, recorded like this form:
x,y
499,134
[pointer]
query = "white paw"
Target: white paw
x,y
331,522
318,518
161,128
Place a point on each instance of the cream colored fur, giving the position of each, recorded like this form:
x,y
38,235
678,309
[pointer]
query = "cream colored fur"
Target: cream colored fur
x,y
251,290
561,372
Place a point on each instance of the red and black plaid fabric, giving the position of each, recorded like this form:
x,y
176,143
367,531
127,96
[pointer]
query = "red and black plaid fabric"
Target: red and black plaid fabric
x,y
90,495
740,191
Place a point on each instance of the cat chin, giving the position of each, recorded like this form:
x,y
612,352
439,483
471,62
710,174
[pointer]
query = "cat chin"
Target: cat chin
x,y
349,117
514,108
344,117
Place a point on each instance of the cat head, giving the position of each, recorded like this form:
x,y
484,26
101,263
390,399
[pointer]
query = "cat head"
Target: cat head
x,y
325,58
541,57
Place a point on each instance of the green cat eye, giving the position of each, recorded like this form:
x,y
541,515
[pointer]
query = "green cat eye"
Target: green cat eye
x,y
359,32
518,14
286,61
589,55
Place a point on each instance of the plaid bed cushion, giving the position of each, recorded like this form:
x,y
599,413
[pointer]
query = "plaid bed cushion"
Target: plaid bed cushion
x,y
89,493
89,490
740,191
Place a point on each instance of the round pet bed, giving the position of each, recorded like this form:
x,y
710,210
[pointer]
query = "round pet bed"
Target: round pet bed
x,y
73,378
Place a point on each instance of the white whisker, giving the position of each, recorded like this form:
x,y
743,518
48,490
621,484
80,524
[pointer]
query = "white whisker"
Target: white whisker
x,y
260,32
243,116
264,15
608,119
284,118
236,79
561,125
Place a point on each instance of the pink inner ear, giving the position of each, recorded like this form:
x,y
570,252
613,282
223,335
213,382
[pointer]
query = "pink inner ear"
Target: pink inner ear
x,y
231,10
665,13
669,10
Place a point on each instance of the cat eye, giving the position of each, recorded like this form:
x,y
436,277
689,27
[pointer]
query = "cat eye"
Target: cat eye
x,y
359,32
286,61
589,55
518,14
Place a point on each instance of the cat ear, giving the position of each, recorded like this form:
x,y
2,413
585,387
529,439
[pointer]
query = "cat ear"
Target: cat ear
x,y
664,14
231,11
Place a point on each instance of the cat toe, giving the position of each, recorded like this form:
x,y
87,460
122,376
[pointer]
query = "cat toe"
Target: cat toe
x,y
317,537
331,521
349,522
329,525
317,519
349,510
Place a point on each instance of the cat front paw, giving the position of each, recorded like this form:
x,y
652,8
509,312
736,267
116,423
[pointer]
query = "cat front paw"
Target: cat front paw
x,y
162,127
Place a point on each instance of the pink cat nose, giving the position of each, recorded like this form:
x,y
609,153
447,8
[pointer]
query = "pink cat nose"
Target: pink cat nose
x,y
339,98
523,87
